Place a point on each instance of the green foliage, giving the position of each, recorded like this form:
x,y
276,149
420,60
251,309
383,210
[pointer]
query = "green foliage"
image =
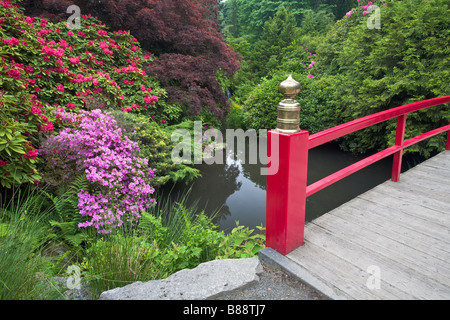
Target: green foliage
x,y
117,260
18,128
277,33
317,111
164,243
24,272
65,218
407,60
316,23
281,49
235,116
247,17
155,144
241,243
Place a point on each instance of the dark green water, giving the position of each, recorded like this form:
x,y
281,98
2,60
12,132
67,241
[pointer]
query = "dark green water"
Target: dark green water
x,y
237,188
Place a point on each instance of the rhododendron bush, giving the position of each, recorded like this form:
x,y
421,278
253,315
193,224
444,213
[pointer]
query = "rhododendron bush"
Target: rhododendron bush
x,y
46,66
119,180
184,35
22,116
70,68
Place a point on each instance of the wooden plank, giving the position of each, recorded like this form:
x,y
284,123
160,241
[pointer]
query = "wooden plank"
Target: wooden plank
x,y
363,221
428,185
394,215
431,215
413,191
396,279
400,250
433,171
333,271
441,161
429,173
419,198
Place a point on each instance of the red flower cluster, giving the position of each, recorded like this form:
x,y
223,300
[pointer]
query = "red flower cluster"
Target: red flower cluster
x,y
32,154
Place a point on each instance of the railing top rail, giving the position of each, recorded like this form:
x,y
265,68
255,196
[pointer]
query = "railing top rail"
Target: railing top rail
x,y
331,134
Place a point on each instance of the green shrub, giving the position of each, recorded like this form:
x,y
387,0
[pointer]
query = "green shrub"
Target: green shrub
x,y
155,144
235,116
317,111
405,61
20,122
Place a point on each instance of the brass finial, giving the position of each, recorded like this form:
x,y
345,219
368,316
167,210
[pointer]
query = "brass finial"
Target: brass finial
x,y
288,120
289,88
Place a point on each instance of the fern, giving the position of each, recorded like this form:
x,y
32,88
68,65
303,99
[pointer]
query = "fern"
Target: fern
x,y
67,213
66,205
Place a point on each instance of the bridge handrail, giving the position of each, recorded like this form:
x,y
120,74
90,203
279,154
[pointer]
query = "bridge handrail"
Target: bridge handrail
x,y
287,189
339,131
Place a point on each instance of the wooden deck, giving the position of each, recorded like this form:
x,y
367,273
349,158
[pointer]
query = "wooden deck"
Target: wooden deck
x,y
397,231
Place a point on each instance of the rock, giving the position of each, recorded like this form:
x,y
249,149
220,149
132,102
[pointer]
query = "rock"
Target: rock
x,y
207,281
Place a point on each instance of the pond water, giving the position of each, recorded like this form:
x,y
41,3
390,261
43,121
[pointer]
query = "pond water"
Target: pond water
x,y
237,189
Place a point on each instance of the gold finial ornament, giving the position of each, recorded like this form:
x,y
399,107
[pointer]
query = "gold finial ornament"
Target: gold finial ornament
x,y
288,120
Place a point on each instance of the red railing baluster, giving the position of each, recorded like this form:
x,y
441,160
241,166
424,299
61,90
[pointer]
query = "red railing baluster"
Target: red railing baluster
x,y
448,141
399,138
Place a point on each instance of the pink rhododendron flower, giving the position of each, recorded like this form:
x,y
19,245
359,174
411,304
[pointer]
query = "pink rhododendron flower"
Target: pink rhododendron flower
x,y
14,73
74,60
48,127
32,154
35,110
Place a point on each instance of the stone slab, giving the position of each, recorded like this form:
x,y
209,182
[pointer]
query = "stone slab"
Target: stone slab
x,y
206,281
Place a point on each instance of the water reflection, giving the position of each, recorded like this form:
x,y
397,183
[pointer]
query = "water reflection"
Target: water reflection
x,y
237,187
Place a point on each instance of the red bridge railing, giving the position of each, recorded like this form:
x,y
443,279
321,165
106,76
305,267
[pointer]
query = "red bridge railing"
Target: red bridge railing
x,y
287,189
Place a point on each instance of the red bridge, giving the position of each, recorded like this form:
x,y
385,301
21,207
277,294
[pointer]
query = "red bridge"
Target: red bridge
x,y
368,227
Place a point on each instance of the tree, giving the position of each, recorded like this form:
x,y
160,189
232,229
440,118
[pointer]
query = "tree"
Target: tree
x,y
247,17
267,52
404,61
184,35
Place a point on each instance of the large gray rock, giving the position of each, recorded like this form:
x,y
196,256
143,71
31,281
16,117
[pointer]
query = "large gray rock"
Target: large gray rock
x,y
207,281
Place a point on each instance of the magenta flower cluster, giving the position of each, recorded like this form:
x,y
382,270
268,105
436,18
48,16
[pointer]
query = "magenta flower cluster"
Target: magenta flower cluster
x,y
120,181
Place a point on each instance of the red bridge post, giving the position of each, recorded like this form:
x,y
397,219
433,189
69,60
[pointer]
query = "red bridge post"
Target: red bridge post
x,y
286,188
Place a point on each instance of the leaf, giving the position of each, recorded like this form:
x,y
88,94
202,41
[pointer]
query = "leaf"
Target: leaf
x,y
17,150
